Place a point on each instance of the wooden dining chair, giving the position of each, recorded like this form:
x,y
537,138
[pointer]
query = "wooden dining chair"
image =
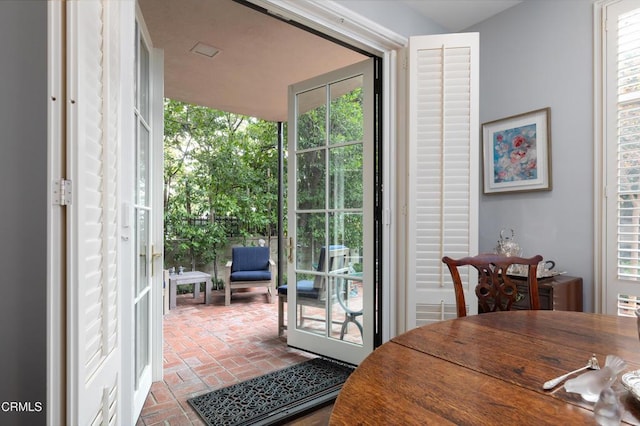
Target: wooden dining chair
x,y
496,291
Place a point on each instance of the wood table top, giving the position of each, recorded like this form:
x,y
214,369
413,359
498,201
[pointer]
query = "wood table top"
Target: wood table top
x,y
488,369
190,276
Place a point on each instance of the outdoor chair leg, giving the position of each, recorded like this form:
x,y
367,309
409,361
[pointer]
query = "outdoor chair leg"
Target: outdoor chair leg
x,y
227,295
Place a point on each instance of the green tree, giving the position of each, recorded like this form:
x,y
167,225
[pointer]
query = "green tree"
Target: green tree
x,y
224,165
217,165
342,134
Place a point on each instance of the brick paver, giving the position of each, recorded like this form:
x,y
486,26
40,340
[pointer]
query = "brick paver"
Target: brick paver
x,y
207,347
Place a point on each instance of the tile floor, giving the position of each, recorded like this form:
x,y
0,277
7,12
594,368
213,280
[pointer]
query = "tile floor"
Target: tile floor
x,y
207,347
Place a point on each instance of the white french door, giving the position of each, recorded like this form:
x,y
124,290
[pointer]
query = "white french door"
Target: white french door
x,y
144,250
331,207
143,205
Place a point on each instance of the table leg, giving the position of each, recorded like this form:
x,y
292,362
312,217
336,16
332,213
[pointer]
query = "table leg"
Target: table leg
x,y
196,290
207,291
172,294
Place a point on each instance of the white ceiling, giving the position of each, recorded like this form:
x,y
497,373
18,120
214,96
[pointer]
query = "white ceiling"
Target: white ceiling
x,y
261,56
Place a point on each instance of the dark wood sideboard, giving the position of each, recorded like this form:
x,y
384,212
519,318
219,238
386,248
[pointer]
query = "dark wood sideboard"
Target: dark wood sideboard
x,y
559,293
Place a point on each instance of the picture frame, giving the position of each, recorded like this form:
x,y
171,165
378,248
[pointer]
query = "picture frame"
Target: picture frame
x,y
517,153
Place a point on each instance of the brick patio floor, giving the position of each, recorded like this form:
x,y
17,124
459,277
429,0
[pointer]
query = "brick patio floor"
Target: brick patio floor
x,y
207,347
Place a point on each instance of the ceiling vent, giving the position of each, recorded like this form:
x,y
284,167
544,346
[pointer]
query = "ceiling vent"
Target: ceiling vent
x,y
205,50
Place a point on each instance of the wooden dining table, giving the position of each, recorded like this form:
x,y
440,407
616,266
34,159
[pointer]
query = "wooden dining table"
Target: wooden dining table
x,y
488,370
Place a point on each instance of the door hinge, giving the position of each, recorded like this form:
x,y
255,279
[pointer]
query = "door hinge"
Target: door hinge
x,y
62,190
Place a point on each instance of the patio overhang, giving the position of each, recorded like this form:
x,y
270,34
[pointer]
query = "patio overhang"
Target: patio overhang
x,y
257,58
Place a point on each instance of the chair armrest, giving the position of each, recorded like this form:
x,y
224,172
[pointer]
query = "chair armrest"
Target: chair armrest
x,y
271,262
227,274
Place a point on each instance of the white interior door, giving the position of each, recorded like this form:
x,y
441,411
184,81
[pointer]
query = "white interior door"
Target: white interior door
x,y
94,341
331,207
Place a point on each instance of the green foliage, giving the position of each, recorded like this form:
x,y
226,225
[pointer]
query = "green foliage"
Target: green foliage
x,y
217,164
224,165
343,134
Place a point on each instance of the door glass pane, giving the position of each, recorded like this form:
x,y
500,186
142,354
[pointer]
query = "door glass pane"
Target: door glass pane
x,y
144,250
346,232
346,113
345,229
311,293
143,166
312,118
142,336
311,238
345,177
311,178
310,263
136,54
144,81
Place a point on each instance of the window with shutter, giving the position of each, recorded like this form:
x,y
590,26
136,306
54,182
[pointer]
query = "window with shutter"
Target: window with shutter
x,y
628,142
621,156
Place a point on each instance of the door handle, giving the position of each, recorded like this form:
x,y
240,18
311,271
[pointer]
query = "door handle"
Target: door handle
x,y
154,256
290,250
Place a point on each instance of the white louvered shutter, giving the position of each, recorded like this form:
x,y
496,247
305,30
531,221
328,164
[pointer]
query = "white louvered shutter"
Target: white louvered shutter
x,y
94,353
443,181
622,96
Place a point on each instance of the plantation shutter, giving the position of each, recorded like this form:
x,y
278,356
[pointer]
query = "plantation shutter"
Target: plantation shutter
x,y
94,353
443,171
622,152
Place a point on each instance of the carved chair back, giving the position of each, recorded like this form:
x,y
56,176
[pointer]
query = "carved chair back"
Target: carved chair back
x,y
496,290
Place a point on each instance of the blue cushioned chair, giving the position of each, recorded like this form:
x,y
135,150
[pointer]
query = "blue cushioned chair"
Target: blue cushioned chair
x,y
249,267
313,292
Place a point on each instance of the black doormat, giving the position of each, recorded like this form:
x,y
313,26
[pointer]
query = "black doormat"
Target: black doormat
x,y
274,397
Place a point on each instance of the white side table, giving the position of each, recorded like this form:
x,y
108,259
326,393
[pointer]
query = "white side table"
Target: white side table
x,y
192,277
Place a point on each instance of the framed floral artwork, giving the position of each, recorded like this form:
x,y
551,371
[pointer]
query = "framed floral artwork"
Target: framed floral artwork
x,y
517,153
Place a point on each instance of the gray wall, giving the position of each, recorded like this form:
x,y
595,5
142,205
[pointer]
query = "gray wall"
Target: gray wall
x,y
23,172
534,55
